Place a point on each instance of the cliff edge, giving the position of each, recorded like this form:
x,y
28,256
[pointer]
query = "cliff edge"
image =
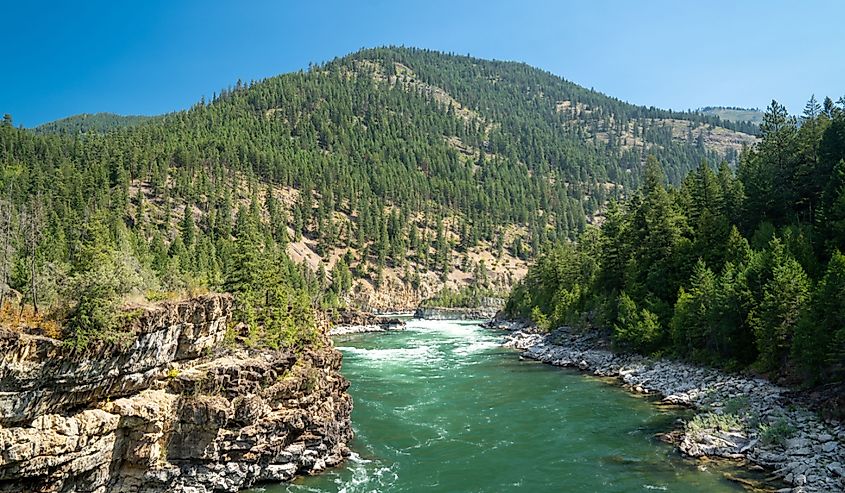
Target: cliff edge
x,y
175,408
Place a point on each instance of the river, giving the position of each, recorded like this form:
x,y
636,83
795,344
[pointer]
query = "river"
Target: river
x,y
441,407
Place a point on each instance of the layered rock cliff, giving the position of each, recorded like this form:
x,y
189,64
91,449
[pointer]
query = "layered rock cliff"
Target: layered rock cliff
x,y
174,409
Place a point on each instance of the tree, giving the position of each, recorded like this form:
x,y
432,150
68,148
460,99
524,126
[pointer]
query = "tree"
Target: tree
x,y
817,347
341,277
614,252
32,220
784,299
737,250
732,192
7,247
694,315
246,266
638,329
656,269
188,226
831,220
768,172
99,279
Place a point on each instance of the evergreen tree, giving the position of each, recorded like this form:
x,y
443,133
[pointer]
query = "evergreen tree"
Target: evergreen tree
x,y
784,299
819,336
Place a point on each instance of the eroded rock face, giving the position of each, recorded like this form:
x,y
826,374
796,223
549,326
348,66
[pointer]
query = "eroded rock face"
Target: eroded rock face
x,y
40,374
173,411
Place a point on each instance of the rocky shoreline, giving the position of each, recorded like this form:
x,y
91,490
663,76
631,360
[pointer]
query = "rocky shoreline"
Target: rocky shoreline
x,y
352,321
176,409
737,417
434,313
340,330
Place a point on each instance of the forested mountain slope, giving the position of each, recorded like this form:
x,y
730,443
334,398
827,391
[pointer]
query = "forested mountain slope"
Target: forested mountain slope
x,y
91,122
390,172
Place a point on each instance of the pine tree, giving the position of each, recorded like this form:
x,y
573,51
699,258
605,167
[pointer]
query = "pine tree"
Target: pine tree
x,y
784,299
694,315
614,251
638,329
656,268
819,336
831,221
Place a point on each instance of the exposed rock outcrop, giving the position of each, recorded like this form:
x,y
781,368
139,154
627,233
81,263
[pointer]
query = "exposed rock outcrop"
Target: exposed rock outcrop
x,y
352,321
739,417
175,409
481,313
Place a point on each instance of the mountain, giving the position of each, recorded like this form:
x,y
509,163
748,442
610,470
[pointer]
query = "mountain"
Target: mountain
x,y
384,176
735,114
91,122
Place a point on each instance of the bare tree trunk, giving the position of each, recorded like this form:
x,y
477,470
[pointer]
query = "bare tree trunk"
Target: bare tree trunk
x,y
32,281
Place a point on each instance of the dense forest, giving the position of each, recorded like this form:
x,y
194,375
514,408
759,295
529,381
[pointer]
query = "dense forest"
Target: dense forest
x,y
92,122
741,269
388,161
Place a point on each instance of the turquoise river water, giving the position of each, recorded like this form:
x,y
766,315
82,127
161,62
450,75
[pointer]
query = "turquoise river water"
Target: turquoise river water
x,y
441,407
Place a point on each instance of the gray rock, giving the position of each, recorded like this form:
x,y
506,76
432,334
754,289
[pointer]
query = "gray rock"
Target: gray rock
x,y
807,451
794,443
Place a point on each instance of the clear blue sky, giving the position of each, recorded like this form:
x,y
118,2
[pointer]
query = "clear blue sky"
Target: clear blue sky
x,y
149,57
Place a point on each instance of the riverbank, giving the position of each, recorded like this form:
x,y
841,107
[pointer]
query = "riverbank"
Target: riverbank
x,y
437,313
737,417
351,321
340,330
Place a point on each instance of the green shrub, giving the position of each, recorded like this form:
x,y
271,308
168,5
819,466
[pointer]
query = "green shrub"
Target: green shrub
x,y
714,421
776,433
636,329
737,405
540,319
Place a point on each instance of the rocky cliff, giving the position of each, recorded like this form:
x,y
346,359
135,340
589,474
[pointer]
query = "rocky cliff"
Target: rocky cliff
x,y
174,409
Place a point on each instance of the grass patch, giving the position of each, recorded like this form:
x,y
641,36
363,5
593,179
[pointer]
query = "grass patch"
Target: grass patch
x,y
776,433
714,421
737,405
